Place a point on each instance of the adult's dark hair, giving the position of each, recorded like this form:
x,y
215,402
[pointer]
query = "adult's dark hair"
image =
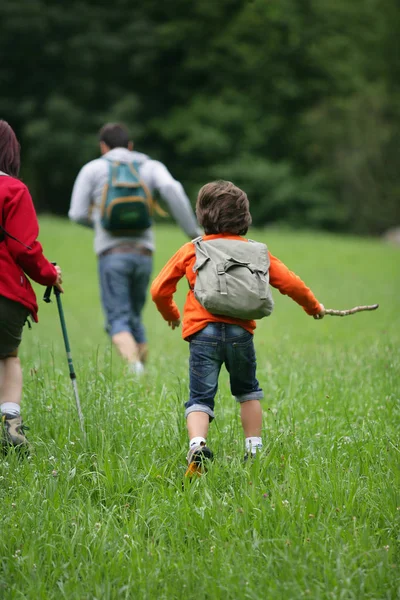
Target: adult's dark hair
x,y
114,135
222,207
9,150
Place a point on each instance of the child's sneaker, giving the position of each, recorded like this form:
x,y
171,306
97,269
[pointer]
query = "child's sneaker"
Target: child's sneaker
x,y
13,432
196,458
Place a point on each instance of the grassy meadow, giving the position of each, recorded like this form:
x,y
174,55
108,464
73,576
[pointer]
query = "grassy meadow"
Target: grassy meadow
x,y
316,516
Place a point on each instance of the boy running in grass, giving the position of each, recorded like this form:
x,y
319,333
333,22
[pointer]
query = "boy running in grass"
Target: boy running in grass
x,y
214,339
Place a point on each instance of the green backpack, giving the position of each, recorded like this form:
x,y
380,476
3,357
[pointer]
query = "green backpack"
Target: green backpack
x,y
127,205
232,278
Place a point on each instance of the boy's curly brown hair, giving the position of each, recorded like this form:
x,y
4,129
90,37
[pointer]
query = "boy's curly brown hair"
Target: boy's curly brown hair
x,y
222,207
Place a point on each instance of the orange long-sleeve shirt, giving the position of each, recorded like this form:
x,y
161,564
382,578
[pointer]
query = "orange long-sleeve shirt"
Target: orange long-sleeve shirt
x,y
195,316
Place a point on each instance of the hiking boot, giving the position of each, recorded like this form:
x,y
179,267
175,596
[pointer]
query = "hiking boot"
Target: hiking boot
x,y
13,432
196,460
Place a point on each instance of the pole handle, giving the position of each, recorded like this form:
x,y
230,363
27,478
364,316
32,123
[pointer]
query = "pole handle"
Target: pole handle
x,y
49,289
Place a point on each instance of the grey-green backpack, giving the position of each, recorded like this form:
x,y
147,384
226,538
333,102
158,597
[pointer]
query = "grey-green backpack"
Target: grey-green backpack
x,y
232,278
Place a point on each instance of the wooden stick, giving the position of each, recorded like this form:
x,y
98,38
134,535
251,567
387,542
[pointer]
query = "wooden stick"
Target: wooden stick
x,y
350,311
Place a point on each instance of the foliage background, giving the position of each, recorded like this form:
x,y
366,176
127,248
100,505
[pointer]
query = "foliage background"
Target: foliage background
x,y
298,101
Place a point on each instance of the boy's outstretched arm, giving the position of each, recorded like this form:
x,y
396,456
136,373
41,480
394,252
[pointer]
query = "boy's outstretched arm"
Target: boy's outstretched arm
x,y
290,284
164,286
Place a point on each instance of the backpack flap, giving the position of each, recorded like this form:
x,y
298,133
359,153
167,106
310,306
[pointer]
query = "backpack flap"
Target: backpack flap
x,y
261,276
222,269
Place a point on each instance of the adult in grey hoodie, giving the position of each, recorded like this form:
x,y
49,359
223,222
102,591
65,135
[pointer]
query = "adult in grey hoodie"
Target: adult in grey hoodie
x,y
125,263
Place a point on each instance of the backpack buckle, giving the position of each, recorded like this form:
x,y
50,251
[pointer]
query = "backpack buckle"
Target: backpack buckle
x,y
221,268
223,288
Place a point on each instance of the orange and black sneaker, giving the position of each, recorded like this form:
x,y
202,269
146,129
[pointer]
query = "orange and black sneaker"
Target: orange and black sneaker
x,y
196,458
13,431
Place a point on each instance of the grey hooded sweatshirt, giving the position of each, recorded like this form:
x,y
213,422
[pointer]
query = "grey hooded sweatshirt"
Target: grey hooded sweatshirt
x,y
88,188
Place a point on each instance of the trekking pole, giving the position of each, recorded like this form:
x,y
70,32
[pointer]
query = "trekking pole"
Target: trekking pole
x,y
351,311
72,374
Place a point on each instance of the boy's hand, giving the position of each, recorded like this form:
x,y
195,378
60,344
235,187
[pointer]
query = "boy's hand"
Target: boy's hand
x,y
174,324
321,313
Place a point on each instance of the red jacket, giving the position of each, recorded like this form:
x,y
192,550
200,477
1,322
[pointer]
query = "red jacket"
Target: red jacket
x,y
18,218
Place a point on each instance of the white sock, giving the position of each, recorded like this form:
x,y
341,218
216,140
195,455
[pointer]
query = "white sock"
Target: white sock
x,y
253,444
196,441
10,408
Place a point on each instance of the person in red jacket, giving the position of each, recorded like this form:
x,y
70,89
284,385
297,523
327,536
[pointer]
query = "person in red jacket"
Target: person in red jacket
x,y
21,255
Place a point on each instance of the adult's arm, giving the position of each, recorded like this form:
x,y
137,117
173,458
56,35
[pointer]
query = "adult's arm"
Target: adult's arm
x,y
20,222
174,195
81,199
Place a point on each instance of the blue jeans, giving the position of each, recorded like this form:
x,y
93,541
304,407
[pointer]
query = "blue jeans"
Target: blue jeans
x,y
124,280
210,348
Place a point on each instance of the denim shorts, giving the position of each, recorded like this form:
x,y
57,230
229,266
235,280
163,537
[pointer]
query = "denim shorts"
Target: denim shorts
x,y
124,281
210,348
13,316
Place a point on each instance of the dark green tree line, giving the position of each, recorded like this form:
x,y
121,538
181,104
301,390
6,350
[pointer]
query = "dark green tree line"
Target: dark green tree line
x,y
297,100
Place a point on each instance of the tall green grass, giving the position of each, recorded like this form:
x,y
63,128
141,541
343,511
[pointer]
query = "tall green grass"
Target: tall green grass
x,y
316,516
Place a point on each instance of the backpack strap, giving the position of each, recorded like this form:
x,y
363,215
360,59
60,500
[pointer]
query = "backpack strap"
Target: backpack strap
x,y
157,208
201,253
262,284
221,271
153,204
262,281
